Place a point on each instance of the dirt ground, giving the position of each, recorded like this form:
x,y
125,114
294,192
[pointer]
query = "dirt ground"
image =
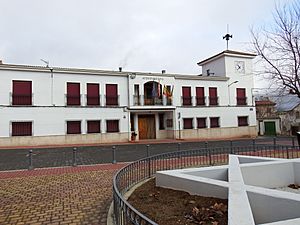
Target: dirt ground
x,y
171,207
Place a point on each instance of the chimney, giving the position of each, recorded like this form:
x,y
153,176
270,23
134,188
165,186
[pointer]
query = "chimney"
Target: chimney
x,y
0,61
163,71
120,69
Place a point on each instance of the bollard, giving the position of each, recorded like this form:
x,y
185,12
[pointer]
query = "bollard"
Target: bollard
x,y
30,160
147,150
74,157
114,161
179,147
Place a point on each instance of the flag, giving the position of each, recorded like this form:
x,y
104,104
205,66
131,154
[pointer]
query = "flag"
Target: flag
x,y
158,89
165,90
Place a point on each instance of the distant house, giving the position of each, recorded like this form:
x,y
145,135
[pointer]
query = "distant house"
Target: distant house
x,y
268,122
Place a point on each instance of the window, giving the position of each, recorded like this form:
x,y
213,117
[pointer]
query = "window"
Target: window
x,y
21,129
201,122
213,96
112,126
93,96
161,121
200,98
186,96
22,92
187,123
73,127
242,121
241,96
73,93
214,122
112,94
93,126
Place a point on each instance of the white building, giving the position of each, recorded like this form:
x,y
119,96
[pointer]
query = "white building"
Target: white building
x,y
46,106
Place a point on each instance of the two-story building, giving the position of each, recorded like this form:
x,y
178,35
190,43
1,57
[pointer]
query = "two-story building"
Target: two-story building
x,y
46,106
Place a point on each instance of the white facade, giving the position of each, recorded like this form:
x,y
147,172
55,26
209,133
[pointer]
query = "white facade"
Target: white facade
x,y
49,113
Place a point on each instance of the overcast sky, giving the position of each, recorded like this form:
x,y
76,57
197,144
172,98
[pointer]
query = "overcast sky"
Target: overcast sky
x,y
139,35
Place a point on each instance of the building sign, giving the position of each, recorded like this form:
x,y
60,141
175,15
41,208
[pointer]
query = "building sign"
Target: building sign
x,y
153,78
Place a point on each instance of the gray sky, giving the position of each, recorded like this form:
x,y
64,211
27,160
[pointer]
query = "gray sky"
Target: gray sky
x,y
140,35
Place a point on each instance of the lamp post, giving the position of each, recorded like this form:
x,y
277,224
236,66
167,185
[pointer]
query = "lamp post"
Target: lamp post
x,y
234,82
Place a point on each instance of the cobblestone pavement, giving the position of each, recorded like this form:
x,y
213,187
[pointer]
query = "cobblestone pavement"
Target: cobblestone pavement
x,y
79,195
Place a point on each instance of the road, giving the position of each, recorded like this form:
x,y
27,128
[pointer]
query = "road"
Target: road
x,y
13,159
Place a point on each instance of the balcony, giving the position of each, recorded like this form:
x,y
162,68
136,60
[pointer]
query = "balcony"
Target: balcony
x,y
112,100
139,100
213,101
93,100
200,101
186,101
73,100
241,101
153,101
19,99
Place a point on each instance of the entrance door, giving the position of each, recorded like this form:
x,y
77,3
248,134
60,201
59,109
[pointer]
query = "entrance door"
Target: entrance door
x,y
147,127
270,128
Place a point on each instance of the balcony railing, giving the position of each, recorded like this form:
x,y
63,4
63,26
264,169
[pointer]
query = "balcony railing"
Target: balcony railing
x,y
112,100
18,99
186,100
241,101
200,101
163,100
136,100
153,101
73,100
213,100
93,100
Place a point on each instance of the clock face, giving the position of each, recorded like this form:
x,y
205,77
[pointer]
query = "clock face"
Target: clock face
x,y
239,66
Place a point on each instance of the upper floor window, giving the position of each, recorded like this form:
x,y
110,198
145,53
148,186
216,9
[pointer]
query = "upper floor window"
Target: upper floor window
x,y
73,94
22,92
21,129
213,96
186,96
242,121
200,98
92,96
187,123
73,127
112,94
214,122
241,96
112,126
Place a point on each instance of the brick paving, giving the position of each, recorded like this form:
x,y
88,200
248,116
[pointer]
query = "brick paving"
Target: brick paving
x,y
69,195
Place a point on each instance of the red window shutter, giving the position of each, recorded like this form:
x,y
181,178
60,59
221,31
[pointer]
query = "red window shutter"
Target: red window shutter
x,y
112,126
200,96
93,126
21,128
111,94
22,92
73,127
73,93
214,122
187,123
241,96
201,122
186,96
93,97
213,96
242,121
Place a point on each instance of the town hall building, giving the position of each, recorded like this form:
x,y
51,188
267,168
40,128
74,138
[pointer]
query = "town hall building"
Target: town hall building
x,y
46,106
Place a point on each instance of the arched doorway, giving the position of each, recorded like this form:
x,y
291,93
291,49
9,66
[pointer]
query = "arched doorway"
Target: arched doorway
x,y
152,93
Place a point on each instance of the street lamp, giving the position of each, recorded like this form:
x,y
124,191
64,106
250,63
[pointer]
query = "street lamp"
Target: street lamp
x,y
234,82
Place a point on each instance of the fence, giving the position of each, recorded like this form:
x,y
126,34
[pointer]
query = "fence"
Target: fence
x,y
145,168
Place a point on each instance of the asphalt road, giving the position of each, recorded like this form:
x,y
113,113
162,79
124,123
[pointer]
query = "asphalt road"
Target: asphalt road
x,y
13,159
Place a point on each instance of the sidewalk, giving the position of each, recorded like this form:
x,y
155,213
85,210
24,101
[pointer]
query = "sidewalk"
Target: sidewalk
x,y
66,195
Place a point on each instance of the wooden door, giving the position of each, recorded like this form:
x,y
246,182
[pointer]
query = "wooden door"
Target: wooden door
x,y
147,127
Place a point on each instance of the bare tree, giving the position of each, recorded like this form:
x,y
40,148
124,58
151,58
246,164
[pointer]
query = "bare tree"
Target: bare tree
x,y
278,47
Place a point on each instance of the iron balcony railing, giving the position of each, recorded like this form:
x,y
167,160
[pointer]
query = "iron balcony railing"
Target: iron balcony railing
x,y
200,101
213,101
93,100
21,99
186,101
153,101
136,100
241,100
143,169
112,100
73,100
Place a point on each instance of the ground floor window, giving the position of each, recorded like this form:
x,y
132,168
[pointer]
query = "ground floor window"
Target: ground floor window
x,y
242,121
73,127
187,123
112,126
201,122
214,122
93,126
21,128
161,121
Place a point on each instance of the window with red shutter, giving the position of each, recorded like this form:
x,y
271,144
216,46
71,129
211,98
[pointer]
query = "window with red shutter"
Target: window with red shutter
x,y
112,94
213,96
186,96
22,92
200,98
93,96
73,94
201,122
242,121
112,126
21,128
73,127
214,122
187,123
93,126
241,96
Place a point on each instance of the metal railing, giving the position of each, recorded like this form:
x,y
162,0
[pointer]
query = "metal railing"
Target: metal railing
x,y
21,99
112,100
145,168
73,100
186,100
241,101
200,101
93,100
213,101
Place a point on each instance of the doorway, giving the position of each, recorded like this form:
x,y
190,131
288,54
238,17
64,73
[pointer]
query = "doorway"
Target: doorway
x,y
147,129
270,128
